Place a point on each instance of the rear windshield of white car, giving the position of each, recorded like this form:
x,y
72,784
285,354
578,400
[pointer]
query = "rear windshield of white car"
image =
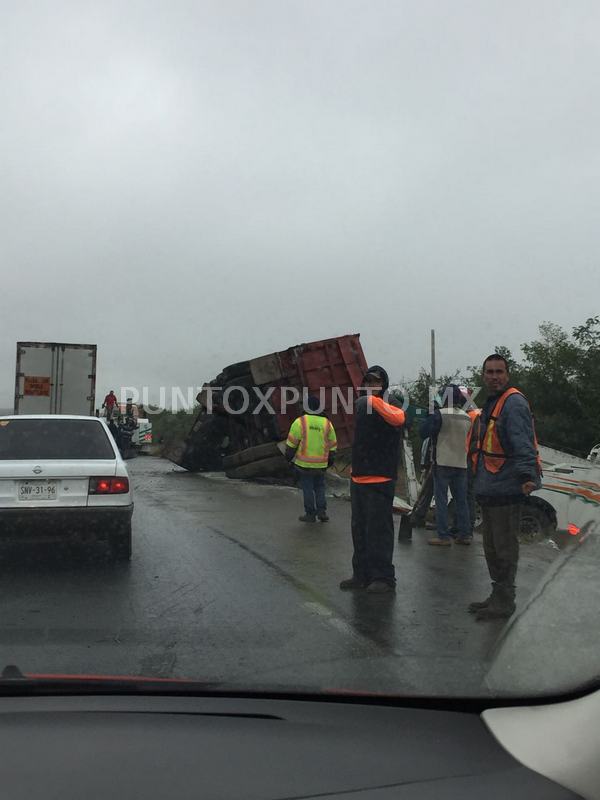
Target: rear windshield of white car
x,y
53,439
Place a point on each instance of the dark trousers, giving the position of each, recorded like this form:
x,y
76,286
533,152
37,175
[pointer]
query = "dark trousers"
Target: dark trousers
x,y
455,479
312,482
373,531
501,526
471,498
418,515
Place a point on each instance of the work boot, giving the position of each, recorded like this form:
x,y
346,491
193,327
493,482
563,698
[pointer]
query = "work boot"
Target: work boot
x,y
495,612
380,587
501,606
307,518
478,606
352,583
437,542
322,515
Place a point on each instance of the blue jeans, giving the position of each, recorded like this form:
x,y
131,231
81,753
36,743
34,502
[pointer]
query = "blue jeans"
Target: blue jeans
x,y
455,479
471,503
312,482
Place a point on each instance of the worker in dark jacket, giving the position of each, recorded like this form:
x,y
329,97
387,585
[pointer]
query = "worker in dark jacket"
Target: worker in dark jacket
x,y
115,431
375,453
503,456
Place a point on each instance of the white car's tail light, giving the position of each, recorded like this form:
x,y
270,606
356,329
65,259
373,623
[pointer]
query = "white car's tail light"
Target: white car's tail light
x,y
109,486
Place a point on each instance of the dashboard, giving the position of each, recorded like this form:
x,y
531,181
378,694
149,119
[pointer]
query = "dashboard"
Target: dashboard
x,y
235,747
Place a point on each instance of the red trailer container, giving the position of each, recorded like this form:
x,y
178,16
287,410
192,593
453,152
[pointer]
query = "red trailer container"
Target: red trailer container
x,y
331,368
328,368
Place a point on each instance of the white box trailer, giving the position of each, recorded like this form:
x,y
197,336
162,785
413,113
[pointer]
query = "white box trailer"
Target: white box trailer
x,y
55,378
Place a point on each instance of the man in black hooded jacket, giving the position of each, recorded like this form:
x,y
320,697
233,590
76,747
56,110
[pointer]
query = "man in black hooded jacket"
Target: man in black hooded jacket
x,y
375,453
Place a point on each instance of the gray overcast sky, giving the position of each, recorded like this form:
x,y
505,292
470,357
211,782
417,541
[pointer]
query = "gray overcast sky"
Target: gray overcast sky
x,y
188,184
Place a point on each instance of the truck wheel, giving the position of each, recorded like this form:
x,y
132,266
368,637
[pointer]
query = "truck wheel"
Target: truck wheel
x,y
536,523
275,466
245,381
251,454
202,448
120,544
236,370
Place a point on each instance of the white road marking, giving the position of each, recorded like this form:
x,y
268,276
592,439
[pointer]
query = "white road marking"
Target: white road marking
x,y
331,618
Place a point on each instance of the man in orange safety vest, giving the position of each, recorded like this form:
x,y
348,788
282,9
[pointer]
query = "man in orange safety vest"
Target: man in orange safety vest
x,y
503,455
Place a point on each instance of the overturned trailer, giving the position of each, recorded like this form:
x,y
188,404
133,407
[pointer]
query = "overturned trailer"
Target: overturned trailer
x,y
246,411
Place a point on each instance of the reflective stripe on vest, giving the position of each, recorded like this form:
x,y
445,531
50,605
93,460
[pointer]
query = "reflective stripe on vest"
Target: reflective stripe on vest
x,y
488,443
314,446
475,413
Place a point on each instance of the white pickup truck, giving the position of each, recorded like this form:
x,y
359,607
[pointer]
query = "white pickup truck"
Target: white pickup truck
x,y
546,513
567,482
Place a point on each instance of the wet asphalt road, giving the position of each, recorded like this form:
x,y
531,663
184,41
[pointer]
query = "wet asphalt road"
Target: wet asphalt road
x,y
226,586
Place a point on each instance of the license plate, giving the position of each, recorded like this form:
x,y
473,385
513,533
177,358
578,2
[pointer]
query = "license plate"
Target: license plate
x,y
37,490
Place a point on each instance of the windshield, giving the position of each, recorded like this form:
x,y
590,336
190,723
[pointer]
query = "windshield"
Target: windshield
x,y
42,439
327,272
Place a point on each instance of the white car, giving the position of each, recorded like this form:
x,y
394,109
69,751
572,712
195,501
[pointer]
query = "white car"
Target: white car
x,y
62,478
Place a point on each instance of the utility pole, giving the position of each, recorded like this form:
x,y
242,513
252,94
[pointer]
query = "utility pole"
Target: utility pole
x,y
432,391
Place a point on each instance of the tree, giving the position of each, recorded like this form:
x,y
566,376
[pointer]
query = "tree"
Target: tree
x,y
586,383
588,335
560,377
169,427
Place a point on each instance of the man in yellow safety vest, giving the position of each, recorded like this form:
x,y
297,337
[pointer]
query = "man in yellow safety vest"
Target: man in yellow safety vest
x,y
311,445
